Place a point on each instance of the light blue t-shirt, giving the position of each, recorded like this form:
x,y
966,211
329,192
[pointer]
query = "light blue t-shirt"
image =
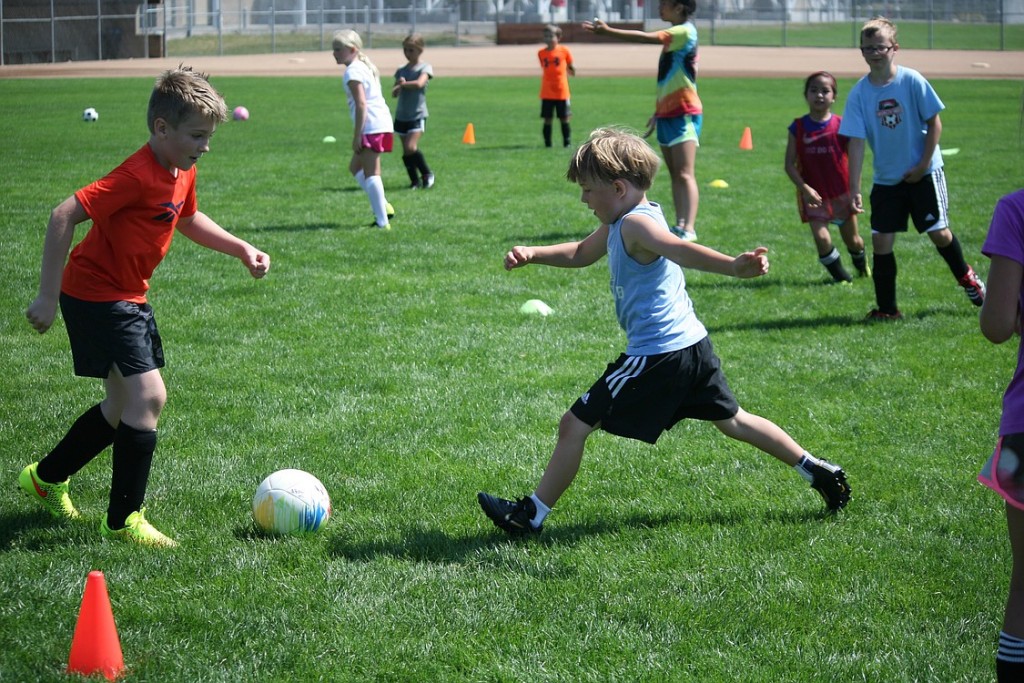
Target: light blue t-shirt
x,y
651,302
892,118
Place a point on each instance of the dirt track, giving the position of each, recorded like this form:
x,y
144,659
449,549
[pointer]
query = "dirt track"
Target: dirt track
x,y
592,59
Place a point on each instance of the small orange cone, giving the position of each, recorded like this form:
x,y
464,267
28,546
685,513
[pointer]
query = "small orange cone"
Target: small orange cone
x,y
95,647
746,142
469,137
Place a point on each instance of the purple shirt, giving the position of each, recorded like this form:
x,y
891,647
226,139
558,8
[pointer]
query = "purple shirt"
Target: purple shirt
x,y
1006,238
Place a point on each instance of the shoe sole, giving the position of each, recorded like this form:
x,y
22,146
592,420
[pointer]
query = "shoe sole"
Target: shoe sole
x,y
835,480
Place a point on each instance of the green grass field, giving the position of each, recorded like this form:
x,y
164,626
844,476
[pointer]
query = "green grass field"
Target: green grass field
x,y
396,367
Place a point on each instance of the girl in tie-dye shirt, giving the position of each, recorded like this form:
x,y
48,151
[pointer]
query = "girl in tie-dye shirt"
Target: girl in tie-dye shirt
x,y
678,111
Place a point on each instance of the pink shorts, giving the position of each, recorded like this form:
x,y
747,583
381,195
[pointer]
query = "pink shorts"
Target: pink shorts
x,y
378,142
835,210
1003,472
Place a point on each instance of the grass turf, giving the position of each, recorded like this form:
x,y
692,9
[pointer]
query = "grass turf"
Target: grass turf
x,y
396,368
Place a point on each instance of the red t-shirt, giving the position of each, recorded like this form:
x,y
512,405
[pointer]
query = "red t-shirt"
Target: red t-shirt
x,y
134,210
554,83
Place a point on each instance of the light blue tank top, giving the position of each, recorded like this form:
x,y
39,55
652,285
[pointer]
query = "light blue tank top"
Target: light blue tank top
x,y
651,302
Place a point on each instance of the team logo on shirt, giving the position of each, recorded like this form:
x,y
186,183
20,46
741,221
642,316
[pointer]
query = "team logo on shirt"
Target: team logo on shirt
x,y
171,214
889,113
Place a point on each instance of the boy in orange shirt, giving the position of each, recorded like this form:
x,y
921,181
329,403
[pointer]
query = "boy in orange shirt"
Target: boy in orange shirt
x,y
135,210
556,65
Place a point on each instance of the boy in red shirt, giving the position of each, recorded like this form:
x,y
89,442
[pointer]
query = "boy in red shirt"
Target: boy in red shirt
x,y
101,290
556,65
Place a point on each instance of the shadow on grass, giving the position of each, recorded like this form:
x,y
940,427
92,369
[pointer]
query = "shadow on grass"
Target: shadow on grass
x,y
823,321
35,530
346,188
441,547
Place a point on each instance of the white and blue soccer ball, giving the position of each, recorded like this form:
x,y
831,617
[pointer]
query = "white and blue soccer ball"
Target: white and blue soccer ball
x,y
90,115
291,502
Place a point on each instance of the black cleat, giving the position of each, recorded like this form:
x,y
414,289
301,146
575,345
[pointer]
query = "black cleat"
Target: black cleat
x,y
830,481
511,516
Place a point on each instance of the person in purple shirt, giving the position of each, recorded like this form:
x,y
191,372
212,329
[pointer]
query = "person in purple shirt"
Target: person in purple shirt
x,y
1000,321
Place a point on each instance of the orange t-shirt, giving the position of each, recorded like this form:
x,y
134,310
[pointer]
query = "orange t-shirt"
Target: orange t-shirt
x,y
554,83
134,210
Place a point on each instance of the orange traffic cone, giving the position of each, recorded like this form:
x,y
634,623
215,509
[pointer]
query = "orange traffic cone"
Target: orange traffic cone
x,y
746,141
95,647
469,137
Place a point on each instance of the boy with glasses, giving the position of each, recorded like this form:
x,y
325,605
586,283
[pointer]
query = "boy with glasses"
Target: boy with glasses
x,y
896,111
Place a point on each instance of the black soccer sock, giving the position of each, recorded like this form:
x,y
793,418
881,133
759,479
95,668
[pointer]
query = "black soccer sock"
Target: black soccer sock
x,y
133,456
834,265
884,277
954,256
1010,659
860,260
547,134
566,133
421,163
86,439
410,167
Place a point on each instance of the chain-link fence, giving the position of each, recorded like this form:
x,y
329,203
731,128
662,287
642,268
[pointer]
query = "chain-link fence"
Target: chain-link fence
x,y
55,31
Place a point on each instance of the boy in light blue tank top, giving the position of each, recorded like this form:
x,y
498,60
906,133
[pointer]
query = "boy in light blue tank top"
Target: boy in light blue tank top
x,y
669,371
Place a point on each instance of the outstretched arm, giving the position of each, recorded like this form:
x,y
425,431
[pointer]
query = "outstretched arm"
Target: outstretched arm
x,y
645,240
600,28
565,255
60,232
205,232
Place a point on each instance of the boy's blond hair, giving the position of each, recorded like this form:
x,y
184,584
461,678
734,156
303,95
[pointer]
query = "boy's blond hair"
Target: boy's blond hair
x,y
348,38
879,26
554,29
611,154
183,92
414,40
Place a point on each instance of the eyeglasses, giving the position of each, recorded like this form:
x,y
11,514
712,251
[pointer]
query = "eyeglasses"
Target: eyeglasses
x,y
876,49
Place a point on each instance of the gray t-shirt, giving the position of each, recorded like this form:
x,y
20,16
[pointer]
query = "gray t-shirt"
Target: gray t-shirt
x,y
412,102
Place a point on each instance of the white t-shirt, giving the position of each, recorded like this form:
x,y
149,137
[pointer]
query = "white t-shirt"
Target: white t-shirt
x,y
378,116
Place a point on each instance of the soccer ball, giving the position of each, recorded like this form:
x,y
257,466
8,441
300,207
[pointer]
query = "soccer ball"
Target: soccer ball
x,y
291,502
90,115
240,114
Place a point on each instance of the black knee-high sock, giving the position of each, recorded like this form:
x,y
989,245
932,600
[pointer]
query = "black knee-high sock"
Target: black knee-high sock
x,y
547,134
834,265
954,256
1009,658
884,276
421,163
566,133
86,439
133,456
410,166
860,260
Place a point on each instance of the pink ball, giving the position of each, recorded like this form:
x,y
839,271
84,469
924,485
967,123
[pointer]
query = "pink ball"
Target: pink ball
x,y
241,114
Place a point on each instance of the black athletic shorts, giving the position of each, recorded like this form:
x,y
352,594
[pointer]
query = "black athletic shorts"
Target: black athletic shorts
x,y
925,202
559,108
639,397
111,333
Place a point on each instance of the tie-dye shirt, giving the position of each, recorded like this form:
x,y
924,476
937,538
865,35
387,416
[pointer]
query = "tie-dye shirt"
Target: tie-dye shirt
x,y
677,72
